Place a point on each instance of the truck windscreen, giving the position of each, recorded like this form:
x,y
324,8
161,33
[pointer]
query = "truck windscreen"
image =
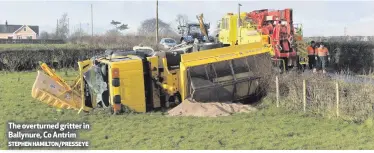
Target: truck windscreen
x,y
195,29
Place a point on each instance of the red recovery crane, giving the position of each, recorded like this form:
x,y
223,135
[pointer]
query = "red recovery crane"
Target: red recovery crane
x,y
278,25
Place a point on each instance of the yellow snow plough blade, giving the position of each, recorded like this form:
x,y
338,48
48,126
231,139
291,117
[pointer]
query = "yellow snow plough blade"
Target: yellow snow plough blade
x,y
54,76
47,90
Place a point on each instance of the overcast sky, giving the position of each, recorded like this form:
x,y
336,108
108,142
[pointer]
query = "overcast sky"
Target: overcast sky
x,y
319,18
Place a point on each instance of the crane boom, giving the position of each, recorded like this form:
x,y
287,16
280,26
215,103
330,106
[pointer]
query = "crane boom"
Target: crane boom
x,y
200,18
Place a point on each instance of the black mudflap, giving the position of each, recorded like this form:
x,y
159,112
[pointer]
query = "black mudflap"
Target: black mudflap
x,y
87,95
148,85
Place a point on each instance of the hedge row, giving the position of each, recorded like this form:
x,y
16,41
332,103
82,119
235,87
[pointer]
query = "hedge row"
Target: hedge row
x,y
28,59
355,56
342,38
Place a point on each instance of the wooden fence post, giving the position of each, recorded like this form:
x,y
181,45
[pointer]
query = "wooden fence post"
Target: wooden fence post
x,y
337,99
277,89
304,95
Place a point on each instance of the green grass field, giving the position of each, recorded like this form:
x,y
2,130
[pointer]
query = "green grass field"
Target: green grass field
x,y
269,128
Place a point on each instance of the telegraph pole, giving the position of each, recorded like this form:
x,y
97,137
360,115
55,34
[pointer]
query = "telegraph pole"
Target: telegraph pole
x,y
156,21
91,21
239,22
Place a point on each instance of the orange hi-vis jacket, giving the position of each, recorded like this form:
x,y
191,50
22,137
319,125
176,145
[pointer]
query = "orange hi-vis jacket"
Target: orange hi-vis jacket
x,y
310,50
322,51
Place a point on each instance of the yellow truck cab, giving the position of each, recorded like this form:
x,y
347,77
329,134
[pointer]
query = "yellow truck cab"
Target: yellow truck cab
x,y
127,76
230,34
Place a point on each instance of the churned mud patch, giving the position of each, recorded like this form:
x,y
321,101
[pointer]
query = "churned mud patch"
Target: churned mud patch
x,y
211,109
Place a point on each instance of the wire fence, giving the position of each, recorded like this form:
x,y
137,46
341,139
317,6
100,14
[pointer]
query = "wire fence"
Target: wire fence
x,y
324,95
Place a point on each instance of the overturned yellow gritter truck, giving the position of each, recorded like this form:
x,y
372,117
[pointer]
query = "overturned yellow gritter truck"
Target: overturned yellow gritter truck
x,y
144,81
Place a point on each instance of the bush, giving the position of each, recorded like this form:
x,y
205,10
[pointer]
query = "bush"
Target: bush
x,y
120,41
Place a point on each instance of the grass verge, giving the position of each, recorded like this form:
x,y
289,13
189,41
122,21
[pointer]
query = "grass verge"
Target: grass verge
x,y
268,128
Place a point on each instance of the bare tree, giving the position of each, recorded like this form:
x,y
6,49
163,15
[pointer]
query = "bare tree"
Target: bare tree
x,y
77,35
45,35
112,36
113,33
148,28
182,21
62,29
